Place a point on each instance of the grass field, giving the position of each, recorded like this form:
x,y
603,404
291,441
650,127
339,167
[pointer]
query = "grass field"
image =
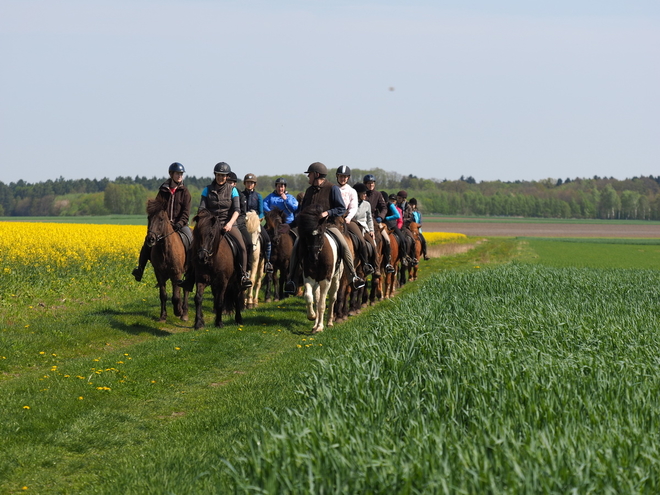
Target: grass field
x,y
487,375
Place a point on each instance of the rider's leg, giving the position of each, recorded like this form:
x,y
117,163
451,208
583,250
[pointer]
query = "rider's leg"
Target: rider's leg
x,y
423,241
387,251
236,233
368,239
348,257
361,247
290,285
138,271
268,268
247,244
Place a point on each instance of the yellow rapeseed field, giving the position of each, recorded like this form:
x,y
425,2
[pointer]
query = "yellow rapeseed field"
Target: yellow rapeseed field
x,y
433,237
57,245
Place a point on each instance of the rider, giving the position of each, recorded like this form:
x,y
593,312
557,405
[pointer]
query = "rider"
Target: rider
x,y
395,221
350,197
232,179
378,214
282,200
254,202
407,217
178,210
328,196
363,221
222,198
417,218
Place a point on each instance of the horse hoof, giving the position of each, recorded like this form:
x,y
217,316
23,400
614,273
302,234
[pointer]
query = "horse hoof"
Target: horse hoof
x,y
162,320
317,330
268,300
184,318
311,318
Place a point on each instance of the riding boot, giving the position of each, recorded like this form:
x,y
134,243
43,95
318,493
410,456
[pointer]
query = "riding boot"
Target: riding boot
x,y
268,267
246,283
138,271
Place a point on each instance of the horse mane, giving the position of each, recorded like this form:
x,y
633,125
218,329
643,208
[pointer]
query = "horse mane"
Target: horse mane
x,y
252,221
309,219
155,205
202,219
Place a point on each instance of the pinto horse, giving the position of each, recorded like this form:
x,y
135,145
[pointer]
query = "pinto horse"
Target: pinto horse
x,y
322,266
168,257
258,260
215,266
281,247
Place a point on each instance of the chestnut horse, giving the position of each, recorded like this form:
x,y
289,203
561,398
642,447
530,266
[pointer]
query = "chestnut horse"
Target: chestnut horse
x,y
412,269
391,279
168,257
215,265
281,247
322,266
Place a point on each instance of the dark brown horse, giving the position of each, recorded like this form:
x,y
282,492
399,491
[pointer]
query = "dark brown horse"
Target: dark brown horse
x,y
168,257
322,265
281,247
215,266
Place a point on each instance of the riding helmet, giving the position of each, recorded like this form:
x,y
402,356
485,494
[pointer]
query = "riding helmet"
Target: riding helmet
x,y
317,167
250,177
222,168
280,180
403,194
344,170
392,197
413,201
231,176
369,178
176,167
360,188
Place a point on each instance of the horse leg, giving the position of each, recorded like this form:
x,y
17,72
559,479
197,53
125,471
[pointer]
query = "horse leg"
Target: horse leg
x,y
218,304
176,298
184,306
309,300
199,314
321,293
162,292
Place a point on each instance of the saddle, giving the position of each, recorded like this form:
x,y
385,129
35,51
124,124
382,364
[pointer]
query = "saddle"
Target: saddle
x,y
186,237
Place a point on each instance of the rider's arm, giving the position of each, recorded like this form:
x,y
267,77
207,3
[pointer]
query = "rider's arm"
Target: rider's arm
x,y
394,213
202,202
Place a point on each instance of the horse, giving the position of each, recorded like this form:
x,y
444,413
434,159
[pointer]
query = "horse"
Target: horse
x,y
258,260
376,291
215,266
322,266
412,269
168,257
346,303
281,247
390,279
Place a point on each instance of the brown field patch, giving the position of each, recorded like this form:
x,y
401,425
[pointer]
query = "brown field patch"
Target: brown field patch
x,y
503,229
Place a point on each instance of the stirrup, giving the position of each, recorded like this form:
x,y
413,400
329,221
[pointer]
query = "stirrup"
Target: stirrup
x,y
137,273
414,262
358,283
368,268
290,287
246,283
268,267
389,268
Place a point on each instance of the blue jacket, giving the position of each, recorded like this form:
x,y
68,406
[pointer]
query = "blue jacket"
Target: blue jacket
x,y
289,206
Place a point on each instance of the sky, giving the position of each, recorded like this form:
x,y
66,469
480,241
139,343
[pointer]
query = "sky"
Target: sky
x,y
507,90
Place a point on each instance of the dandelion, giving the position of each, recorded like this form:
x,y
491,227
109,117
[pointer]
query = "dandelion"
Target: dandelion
x,y
42,353
177,348
299,346
26,407
80,398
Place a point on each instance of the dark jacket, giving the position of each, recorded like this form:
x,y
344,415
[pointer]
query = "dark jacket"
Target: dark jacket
x,y
378,205
178,203
220,200
328,196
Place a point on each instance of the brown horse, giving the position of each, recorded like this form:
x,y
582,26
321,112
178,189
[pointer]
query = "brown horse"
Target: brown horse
x,y
215,266
412,269
391,279
168,257
347,303
322,266
281,247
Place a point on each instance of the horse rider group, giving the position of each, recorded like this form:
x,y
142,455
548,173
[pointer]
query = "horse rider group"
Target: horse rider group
x,y
361,206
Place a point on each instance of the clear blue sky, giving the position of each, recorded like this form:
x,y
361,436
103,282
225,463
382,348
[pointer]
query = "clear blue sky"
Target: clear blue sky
x,y
495,90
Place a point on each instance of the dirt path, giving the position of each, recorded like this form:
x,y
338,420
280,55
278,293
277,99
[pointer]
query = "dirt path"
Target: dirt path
x,y
544,230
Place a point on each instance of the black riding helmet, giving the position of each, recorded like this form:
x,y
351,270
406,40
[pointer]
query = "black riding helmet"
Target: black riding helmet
x,y
280,180
176,167
344,170
222,168
231,176
318,168
360,188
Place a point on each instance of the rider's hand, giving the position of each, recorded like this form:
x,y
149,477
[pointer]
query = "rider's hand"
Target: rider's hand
x,y
228,226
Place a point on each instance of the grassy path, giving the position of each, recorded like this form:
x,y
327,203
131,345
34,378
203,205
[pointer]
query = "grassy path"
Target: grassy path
x,y
96,396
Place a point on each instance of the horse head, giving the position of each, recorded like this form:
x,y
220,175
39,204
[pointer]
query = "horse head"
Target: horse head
x,y
159,223
206,235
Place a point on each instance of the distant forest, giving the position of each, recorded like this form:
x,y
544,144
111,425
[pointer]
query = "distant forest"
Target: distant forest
x,y
636,198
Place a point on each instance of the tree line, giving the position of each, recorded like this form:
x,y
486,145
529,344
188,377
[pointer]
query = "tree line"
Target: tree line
x,y
596,197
